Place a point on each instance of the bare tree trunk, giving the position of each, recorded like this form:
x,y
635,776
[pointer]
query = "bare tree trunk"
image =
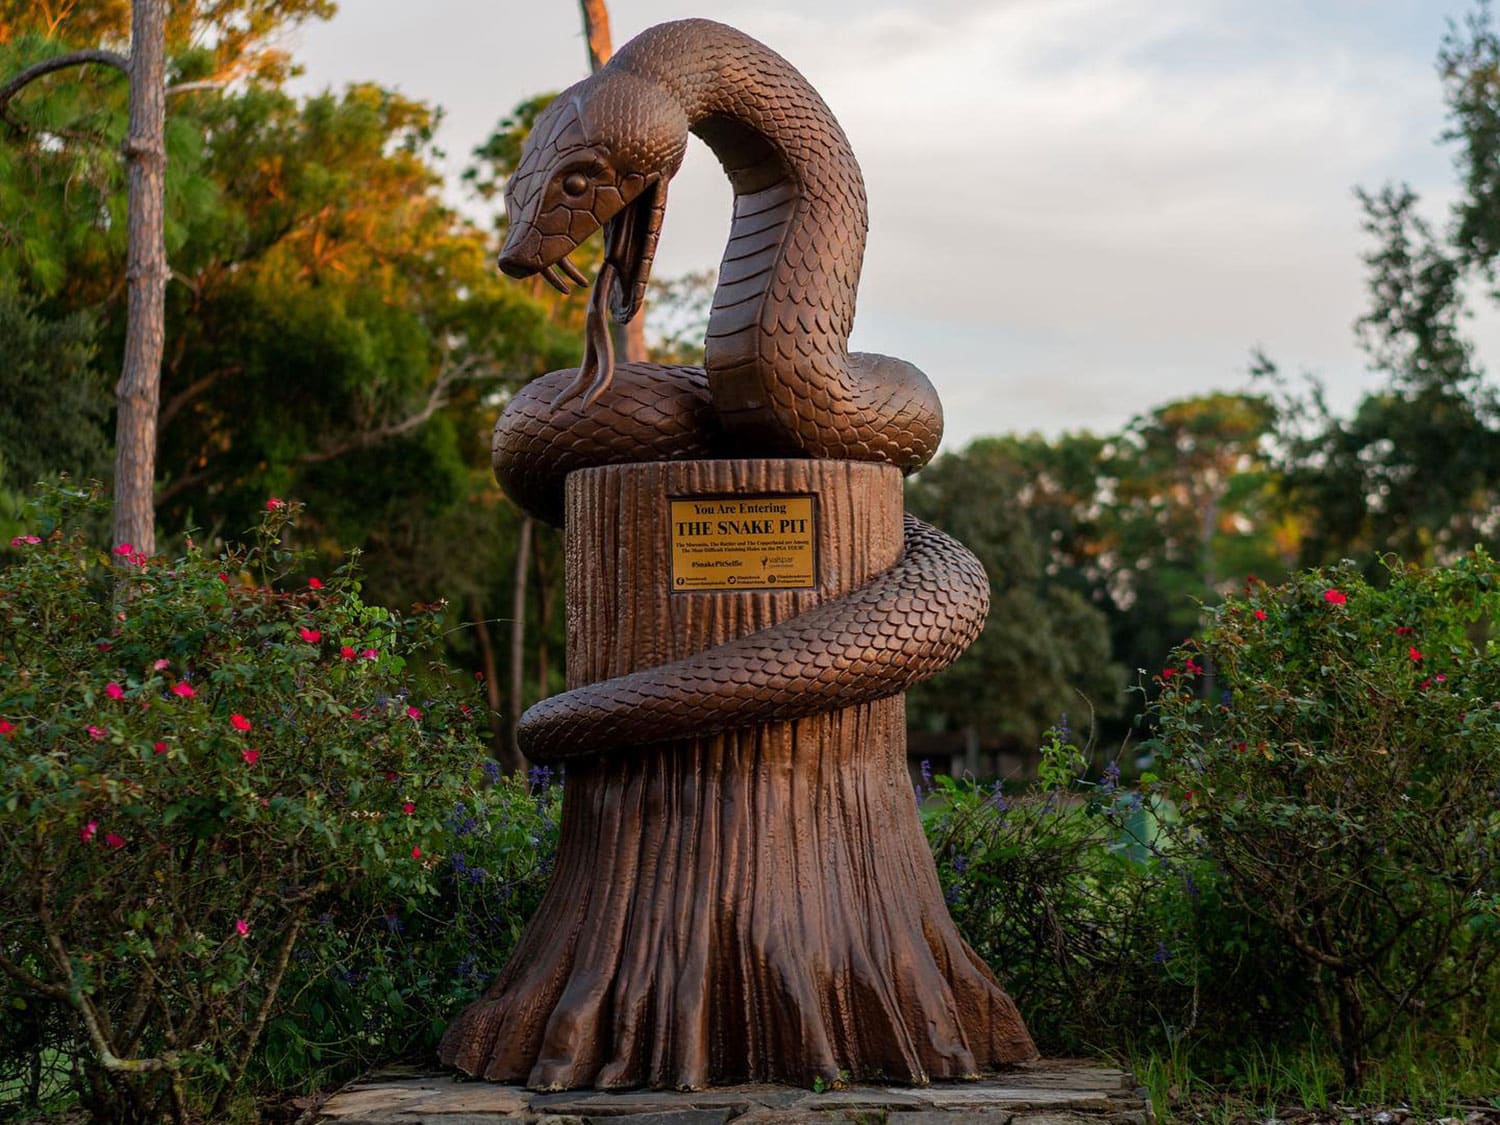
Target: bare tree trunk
x,y
546,600
518,636
139,390
629,339
500,744
596,32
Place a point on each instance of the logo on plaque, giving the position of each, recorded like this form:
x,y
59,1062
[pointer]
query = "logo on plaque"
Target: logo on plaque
x,y
744,543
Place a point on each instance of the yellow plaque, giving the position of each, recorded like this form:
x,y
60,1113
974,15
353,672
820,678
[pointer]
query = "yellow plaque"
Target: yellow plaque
x,y
743,543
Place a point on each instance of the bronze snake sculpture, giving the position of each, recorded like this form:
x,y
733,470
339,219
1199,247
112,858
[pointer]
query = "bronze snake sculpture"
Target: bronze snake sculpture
x,y
778,378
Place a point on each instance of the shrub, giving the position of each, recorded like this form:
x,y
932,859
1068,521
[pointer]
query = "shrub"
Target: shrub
x,y
377,976
200,759
1103,935
1334,750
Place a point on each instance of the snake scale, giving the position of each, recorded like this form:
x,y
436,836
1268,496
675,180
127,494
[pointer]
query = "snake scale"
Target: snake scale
x,y
778,378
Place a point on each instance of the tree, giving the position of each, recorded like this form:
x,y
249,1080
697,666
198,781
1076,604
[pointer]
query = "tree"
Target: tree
x,y
1043,645
241,25
1417,468
338,334
1189,515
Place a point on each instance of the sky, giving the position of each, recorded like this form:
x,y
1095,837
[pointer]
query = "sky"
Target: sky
x,y
1079,209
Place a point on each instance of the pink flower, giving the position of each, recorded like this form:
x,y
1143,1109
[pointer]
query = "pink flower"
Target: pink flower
x,y
1260,615
370,654
241,927
7,728
184,689
159,747
413,712
104,646
27,540
1414,652
1440,678
114,690
409,808
239,722
97,733
158,665
86,833
315,583
250,756
1335,597
347,653
223,577
311,636
275,504
1403,630
416,853
114,840
1168,673
125,549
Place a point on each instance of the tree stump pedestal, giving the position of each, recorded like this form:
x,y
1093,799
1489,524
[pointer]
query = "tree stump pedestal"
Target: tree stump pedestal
x,y
755,906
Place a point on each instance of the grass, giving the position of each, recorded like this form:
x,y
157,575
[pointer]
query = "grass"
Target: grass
x,y
53,1090
1432,1076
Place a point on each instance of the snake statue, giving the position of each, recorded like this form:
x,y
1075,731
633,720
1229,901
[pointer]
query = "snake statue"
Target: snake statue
x,y
716,914
778,378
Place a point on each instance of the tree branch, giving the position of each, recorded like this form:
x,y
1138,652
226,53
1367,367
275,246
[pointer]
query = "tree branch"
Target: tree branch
x,y
181,485
201,84
437,398
175,404
59,62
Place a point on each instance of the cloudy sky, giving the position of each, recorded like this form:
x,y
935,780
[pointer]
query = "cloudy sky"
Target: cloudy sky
x,y
1079,209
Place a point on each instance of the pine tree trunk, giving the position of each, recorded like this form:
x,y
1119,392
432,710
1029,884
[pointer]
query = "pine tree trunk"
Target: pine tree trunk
x,y
754,906
518,639
139,389
629,338
596,34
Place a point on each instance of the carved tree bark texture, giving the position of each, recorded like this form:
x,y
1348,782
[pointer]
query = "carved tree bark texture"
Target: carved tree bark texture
x,y
139,389
755,906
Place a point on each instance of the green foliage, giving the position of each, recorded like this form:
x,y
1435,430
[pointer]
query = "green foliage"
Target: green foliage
x,y
379,974
1344,778
1042,645
58,403
1102,935
203,759
1416,470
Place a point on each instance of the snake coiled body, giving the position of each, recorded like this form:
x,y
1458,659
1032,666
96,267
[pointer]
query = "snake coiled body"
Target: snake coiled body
x,y
778,378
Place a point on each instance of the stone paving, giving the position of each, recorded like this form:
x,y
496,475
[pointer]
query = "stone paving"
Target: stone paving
x,y
1053,1092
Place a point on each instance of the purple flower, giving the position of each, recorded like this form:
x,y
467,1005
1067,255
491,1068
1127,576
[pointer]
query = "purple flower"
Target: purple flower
x,y
1111,778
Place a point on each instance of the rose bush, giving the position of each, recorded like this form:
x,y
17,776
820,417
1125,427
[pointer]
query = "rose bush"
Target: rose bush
x,y
214,770
1332,747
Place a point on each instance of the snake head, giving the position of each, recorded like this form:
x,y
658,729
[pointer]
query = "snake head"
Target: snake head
x,y
599,156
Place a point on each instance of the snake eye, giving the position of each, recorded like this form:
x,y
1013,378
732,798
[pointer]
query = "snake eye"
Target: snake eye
x,y
575,184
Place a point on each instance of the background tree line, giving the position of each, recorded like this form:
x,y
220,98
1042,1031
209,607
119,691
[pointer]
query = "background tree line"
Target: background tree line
x,y
336,332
